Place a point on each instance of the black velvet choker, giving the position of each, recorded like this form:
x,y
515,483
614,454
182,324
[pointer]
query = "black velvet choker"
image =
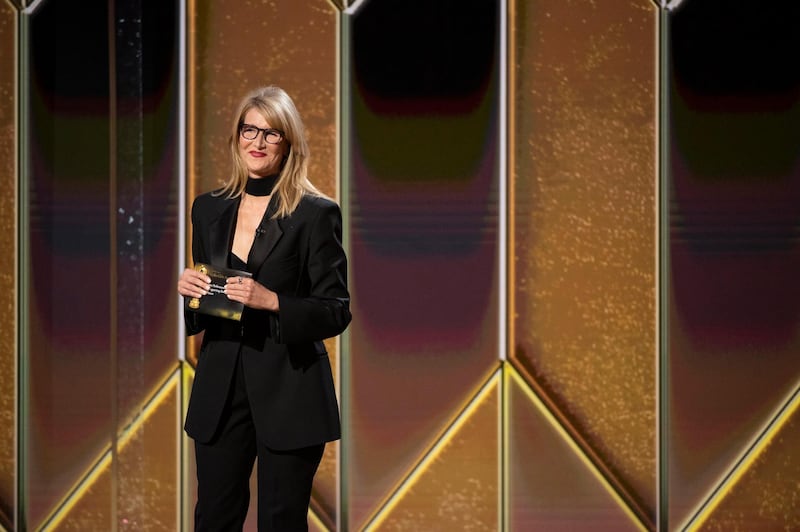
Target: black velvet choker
x,y
261,186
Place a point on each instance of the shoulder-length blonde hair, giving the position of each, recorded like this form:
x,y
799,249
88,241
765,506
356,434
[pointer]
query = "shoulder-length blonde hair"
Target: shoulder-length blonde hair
x,y
279,111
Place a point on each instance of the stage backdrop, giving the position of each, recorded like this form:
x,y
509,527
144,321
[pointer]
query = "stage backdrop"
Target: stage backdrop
x,y
572,231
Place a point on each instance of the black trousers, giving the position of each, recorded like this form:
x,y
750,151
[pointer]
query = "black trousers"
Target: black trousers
x,y
224,466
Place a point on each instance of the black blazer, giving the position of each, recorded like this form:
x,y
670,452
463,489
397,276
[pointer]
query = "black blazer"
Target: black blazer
x,y
286,368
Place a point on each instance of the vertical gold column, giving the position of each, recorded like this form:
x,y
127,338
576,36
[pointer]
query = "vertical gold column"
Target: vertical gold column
x,y
8,259
582,131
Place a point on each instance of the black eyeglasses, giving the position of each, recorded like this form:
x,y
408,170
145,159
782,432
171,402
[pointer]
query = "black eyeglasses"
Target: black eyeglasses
x,y
272,136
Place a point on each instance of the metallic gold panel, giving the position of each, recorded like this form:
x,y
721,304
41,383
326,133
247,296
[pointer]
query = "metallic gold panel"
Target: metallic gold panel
x,y
148,465
421,191
315,525
552,485
455,486
91,509
766,494
582,112
235,48
732,297
8,259
151,485
188,469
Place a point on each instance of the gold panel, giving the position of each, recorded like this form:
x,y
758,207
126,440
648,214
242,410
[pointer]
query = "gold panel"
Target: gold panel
x,y
145,474
764,493
231,51
455,486
188,470
316,525
148,465
583,225
91,509
551,483
8,259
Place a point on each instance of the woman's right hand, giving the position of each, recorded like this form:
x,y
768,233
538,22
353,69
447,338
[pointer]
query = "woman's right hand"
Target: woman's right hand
x,y
192,283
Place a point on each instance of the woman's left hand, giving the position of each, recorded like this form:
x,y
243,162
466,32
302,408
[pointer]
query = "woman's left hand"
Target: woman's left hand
x,y
252,294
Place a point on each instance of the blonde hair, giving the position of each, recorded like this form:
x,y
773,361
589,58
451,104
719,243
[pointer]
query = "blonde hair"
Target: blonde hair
x,y
279,111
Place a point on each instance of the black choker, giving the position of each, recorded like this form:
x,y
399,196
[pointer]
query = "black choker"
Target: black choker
x,y
261,186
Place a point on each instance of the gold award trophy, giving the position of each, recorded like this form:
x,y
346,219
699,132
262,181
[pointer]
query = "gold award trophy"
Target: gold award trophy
x,y
194,303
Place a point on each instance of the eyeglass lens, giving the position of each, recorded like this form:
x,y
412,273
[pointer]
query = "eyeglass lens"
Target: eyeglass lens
x,y
272,136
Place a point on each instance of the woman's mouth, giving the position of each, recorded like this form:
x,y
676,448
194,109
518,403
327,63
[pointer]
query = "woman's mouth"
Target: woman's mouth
x,y
257,154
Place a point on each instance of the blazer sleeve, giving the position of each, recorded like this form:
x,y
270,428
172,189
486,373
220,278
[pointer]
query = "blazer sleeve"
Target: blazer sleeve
x,y
196,322
325,311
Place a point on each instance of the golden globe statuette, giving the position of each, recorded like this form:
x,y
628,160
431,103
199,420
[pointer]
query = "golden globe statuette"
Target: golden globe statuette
x,y
216,303
194,303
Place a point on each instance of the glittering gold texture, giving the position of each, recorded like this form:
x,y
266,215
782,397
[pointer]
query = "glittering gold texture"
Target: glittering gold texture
x,y
767,495
148,490
583,126
8,258
285,43
233,50
455,487
551,481
188,472
145,474
92,509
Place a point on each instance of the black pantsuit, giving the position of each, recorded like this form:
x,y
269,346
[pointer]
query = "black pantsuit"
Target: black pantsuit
x,y
224,465
264,387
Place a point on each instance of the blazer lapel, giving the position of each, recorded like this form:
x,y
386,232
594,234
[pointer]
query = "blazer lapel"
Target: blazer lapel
x,y
267,235
221,234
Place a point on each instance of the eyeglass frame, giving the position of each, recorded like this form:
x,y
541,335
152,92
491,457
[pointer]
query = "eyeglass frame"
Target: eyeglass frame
x,y
263,131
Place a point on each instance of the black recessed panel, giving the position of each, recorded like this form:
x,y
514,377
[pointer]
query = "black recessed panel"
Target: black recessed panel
x,y
734,233
102,240
422,198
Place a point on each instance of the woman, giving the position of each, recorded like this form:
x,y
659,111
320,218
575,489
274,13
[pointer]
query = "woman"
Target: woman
x,y
263,387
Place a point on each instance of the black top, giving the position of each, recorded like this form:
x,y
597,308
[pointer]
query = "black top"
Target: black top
x,y
237,263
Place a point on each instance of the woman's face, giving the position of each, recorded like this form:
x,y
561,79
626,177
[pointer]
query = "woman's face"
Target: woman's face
x,y
261,157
